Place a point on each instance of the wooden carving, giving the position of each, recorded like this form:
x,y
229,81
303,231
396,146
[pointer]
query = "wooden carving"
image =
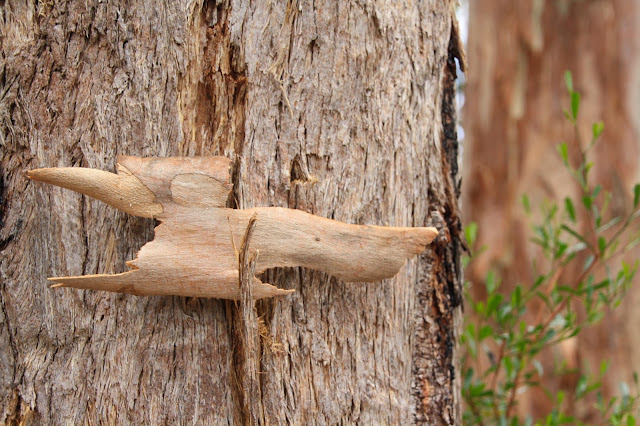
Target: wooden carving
x,y
195,249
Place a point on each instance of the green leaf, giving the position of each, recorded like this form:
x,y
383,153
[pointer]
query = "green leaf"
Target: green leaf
x,y
477,390
574,233
571,211
560,249
609,224
468,377
470,233
471,330
588,262
597,215
538,282
567,289
545,299
568,79
538,366
472,348
516,296
602,245
526,204
491,282
631,421
587,200
581,387
563,149
509,367
636,195
631,244
575,104
587,168
594,317
493,303
598,128
602,284
484,332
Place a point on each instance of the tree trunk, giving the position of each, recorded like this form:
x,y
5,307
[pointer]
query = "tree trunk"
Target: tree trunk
x,y
514,119
341,110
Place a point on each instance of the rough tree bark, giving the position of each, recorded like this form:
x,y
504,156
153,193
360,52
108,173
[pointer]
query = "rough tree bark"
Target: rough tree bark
x,y
341,109
513,121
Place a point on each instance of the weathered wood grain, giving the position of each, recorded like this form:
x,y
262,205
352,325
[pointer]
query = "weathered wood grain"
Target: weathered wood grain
x,y
195,253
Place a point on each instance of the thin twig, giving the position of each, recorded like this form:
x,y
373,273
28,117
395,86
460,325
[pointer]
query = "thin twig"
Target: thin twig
x,y
494,379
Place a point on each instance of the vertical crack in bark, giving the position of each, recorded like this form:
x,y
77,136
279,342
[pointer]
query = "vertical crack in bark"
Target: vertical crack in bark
x,y
19,413
212,98
212,90
448,110
3,199
4,205
451,155
436,396
12,409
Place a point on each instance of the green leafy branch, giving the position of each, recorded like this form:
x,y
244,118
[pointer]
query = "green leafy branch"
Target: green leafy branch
x,y
580,244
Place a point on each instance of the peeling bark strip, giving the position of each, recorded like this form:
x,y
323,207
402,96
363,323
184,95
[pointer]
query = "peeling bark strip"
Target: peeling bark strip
x,y
246,332
195,251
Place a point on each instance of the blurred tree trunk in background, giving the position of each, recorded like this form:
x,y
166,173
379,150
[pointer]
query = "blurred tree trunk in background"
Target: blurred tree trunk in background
x,y
513,119
342,110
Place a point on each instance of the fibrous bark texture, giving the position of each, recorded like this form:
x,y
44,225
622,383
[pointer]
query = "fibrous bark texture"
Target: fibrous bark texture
x,y
514,119
339,110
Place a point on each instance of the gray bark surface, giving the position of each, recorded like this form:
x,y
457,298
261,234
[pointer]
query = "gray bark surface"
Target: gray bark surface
x,y
339,109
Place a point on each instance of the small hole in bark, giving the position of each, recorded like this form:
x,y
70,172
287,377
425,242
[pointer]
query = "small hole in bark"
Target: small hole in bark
x,y
298,173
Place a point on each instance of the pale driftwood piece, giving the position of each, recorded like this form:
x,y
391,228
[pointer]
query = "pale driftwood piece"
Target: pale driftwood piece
x,y
194,252
143,185
123,191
